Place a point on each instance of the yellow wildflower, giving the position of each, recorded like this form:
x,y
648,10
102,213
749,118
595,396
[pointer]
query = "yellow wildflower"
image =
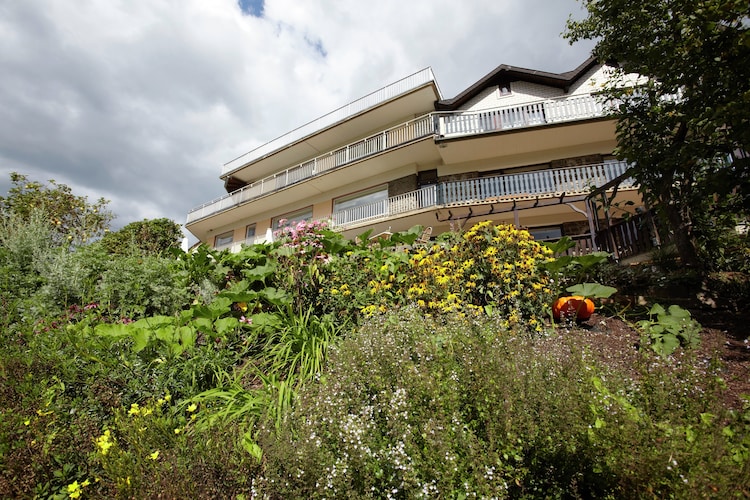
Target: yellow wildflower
x,y
105,442
74,490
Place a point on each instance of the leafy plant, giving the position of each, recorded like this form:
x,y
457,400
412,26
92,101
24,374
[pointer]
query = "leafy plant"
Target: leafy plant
x,y
496,269
669,329
73,219
592,290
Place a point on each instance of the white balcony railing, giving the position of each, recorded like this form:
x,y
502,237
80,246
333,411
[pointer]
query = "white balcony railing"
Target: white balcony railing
x,y
380,96
530,114
573,181
445,125
412,130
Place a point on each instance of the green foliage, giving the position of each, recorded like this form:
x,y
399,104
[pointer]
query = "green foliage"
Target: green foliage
x,y
24,253
411,408
495,269
592,290
146,237
149,450
135,286
72,218
682,121
207,374
573,268
304,251
669,329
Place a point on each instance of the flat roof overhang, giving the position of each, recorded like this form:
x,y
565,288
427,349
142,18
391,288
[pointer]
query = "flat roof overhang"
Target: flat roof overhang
x,y
393,112
317,188
522,141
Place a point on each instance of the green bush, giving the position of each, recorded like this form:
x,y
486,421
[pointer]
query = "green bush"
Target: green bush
x,y
136,286
416,409
292,400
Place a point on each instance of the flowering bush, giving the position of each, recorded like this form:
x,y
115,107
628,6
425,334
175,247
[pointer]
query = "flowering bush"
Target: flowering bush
x,y
305,250
486,269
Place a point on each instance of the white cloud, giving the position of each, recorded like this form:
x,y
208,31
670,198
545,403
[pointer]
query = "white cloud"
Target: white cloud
x,y
140,102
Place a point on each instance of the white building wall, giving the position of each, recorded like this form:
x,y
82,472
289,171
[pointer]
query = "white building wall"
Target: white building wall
x,y
592,81
521,92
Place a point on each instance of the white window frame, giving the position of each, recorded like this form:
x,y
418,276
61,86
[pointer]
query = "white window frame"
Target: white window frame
x,y
290,218
358,199
224,240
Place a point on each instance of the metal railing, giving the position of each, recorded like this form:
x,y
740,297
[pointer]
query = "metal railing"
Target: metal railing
x,y
571,181
556,110
529,185
393,137
452,124
380,96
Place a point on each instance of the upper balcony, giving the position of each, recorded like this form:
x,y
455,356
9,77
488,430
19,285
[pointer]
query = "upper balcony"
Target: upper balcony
x,y
439,125
413,95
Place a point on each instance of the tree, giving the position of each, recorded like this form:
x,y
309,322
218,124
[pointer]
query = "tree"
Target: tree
x,y
685,124
148,237
73,219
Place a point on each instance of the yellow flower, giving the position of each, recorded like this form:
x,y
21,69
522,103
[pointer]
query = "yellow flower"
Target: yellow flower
x,y
154,455
74,490
134,410
105,442
192,407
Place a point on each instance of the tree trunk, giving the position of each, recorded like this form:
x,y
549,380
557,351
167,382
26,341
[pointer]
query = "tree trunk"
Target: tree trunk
x,y
683,234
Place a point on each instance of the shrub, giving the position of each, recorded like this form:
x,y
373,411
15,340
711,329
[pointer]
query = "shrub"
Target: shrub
x,y
138,286
154,449
487,269
411,408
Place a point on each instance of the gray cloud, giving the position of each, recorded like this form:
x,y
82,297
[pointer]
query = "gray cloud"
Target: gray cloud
x,y
141,102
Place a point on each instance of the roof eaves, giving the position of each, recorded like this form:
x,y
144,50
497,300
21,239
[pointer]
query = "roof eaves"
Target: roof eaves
x,y
505,73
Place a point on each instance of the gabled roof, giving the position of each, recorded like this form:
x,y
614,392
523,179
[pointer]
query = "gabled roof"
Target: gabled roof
x,y
504,74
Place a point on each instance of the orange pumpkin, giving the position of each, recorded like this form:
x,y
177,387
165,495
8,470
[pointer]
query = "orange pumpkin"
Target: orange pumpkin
x,y
574,306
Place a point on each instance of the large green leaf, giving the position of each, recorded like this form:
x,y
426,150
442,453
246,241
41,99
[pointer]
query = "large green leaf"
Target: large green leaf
x,y
140,337
187,336
224,326
113,329
275,296
594,290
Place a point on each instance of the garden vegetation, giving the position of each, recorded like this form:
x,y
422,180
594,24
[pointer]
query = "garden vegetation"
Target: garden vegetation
x,y
317,367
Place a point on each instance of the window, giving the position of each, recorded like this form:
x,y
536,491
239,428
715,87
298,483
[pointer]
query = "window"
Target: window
x,y
546,233
361,205
250,234
224,239
292,218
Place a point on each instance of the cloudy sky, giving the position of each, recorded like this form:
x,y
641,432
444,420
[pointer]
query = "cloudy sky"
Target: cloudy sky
x,y
142,101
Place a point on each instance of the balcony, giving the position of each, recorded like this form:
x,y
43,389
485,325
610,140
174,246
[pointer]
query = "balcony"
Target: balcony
x,y
558,110
574,181
383,95
438,125
389,139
